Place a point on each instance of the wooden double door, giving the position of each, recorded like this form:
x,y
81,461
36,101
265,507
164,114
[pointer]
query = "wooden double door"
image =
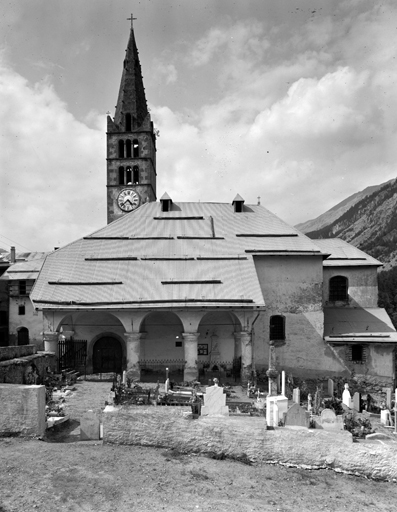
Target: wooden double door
x,y
107,355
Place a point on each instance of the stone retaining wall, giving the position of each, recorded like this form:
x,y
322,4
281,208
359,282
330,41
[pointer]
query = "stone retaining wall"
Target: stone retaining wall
x,y
23,370
22,410
13,352
246,438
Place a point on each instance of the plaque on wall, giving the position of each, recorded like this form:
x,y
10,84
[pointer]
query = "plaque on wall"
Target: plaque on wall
x,y
202,349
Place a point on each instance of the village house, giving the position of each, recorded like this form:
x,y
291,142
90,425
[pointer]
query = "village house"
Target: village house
x,y
205,285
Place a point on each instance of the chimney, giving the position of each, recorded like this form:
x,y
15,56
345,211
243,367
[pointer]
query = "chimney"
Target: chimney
x,y
12,255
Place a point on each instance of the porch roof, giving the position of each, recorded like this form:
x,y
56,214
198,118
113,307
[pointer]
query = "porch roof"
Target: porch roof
x,y
364,325
343,254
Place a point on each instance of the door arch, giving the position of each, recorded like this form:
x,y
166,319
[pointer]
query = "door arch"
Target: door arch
x,y
23,336
107,355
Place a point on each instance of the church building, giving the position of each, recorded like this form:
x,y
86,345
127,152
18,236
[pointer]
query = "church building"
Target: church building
x,y
198,286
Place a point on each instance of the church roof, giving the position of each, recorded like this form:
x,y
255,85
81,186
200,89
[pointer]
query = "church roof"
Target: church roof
x,y
343,254
197,254
352,325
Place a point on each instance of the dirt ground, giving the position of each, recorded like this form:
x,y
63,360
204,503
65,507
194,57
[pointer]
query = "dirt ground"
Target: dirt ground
x,y
88,476
63,473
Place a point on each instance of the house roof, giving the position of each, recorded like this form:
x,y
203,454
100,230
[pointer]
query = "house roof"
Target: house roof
x,y
198,254
343,254
369,325
24,270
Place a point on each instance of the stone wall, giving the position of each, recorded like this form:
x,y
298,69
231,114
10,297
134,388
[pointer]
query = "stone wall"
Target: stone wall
x,y
12,352
22,410
246,438
24,370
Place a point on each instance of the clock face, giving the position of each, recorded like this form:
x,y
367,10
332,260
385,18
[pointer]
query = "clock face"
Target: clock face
x,y
128,200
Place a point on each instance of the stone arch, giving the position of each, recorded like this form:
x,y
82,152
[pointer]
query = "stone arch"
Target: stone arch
x,y
161,336
217,334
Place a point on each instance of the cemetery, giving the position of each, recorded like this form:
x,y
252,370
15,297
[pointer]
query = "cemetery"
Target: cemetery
x,y
315,423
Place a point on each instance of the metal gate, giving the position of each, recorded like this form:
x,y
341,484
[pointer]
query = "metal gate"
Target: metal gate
x,y
72,355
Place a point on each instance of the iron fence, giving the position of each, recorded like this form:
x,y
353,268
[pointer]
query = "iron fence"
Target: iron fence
x,y
72,355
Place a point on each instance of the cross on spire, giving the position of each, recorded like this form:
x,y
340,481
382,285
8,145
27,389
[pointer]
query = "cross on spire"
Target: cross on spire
x,y
132,20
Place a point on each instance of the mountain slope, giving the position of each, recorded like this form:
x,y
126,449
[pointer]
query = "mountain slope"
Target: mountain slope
x,y
369,224
338,210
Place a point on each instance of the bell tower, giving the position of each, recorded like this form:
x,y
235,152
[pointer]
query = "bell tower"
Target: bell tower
x,y
131,142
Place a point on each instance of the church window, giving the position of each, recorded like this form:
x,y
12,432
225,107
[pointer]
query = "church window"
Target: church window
x,y
128,175
21,310
128,148
121,149
277,328
22,287
23,336
128,122
135,174
121,176
338,288
135,144
357,354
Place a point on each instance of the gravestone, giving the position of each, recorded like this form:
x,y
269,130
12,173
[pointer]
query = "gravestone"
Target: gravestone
x,y
346,397
89,426
214,402
282,405
331,387
388,392
328,420
297,416
357,401
296,395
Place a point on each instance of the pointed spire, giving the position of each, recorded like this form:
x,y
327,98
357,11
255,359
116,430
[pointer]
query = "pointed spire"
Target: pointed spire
x,y
131,99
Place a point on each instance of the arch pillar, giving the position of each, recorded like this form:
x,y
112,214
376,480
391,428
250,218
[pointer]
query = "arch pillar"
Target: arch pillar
x,y
133,342
50,339
190,343
246,355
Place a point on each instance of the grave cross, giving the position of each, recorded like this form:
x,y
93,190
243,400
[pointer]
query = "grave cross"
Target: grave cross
x,y
132,20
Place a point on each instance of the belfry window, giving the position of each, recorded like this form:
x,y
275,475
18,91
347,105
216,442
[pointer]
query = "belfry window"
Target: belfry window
x,y
277,328
338,288
121,149
128,175
21,310
135,144
135,174
128,122
128,148
121,176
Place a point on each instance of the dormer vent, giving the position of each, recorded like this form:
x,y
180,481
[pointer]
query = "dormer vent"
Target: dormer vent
x,y
238,203
166,203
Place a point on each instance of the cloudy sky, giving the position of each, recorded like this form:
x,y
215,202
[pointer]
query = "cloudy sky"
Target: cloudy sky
x,y
290,100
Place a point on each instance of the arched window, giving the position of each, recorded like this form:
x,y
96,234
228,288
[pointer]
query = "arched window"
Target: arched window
x,y
128,175
121,149
135,174
277,328
338,288
135,144
23,336
121,176
128,122
128,148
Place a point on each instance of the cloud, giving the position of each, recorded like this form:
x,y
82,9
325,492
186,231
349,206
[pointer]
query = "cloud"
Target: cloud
x,y
302,119
164,72
52,166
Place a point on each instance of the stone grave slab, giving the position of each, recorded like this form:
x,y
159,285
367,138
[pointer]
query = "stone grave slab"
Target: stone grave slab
x,y
296,396
214,402
357,401
89,426
388,392
297,416
331,387
328,420
282,404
